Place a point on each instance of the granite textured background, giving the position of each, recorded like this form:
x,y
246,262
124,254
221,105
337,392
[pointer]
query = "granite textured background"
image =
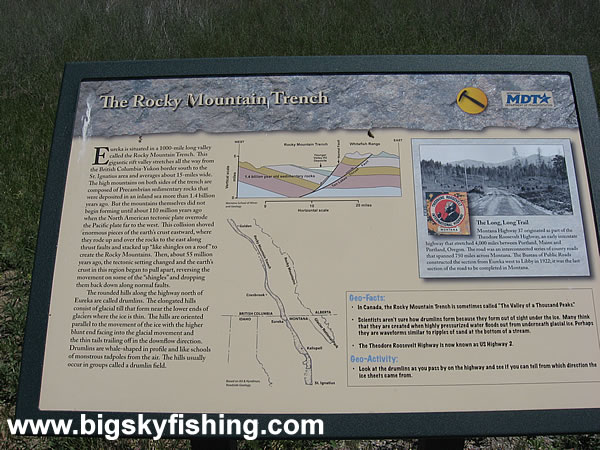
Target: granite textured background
x,y
358,102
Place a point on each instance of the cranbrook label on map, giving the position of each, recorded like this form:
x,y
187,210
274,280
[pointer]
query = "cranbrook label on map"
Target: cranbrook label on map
x,y
309,244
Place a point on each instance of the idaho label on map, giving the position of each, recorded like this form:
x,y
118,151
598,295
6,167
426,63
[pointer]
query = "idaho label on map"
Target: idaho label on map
x,y
448,213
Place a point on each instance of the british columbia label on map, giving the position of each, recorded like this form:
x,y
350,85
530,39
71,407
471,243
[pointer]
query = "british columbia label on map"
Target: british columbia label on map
x,y
277,256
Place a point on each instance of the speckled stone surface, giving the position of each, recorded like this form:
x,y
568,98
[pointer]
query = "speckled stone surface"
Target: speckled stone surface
x,y
358,102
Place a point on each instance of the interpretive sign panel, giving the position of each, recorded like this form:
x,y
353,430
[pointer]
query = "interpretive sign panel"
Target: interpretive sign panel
x,y
330,236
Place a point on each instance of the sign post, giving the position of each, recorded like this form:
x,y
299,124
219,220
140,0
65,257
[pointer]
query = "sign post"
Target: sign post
x,y
394,246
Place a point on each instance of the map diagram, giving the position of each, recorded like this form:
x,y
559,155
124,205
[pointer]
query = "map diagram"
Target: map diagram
x,y
356,175
290,319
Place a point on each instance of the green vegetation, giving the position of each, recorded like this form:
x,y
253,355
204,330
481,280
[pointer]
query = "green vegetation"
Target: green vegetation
x,y
38,36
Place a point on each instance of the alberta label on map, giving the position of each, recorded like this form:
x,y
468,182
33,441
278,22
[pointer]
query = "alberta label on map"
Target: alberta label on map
x,y
323,244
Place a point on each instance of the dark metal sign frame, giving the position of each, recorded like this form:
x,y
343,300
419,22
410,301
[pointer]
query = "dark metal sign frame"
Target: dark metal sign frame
x,y
336,425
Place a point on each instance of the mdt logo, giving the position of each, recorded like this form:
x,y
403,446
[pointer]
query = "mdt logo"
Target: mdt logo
x,y
527,99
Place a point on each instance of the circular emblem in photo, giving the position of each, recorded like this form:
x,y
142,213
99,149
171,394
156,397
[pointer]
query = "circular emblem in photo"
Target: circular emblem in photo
x,y
472,100
447,210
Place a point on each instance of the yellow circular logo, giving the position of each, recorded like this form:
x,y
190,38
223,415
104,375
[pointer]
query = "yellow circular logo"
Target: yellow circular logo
x,y
472,100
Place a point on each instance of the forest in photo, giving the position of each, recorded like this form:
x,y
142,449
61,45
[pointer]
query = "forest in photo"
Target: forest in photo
x,y
535,184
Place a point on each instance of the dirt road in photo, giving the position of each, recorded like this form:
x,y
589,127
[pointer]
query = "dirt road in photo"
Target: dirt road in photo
x,y
500,202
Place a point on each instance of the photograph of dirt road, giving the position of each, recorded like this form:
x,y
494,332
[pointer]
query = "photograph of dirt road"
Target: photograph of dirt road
x,y
500,179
